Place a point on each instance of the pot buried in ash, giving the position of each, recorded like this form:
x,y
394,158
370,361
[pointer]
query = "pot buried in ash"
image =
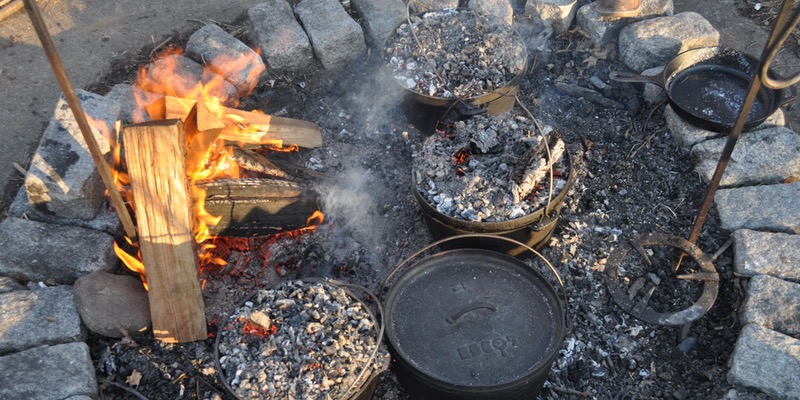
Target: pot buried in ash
x,y
304,340
459,59
472,324
495,175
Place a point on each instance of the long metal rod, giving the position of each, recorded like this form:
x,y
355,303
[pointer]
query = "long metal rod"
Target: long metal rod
x,y
755,86
80,117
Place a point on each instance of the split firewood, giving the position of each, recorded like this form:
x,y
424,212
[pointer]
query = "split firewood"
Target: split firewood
x,y
256,207
242,128
154,152
534,164
252,161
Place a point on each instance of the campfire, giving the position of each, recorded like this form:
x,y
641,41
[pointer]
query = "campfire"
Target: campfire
x,y
197,176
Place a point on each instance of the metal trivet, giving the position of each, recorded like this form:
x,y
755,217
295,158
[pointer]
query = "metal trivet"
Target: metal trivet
x,y
639,305
784,25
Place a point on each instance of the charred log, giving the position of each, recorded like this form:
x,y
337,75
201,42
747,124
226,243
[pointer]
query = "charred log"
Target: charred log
x,y
256,207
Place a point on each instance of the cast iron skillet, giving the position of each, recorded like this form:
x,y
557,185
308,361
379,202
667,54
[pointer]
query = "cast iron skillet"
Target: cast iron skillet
x,y
707,86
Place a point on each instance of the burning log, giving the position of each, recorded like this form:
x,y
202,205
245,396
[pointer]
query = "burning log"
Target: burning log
x,y
244,128
155,155
534,164
252,161
254,207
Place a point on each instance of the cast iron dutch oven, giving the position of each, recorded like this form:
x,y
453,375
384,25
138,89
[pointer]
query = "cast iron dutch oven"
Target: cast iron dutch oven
x,y
494,102
707,86
472,324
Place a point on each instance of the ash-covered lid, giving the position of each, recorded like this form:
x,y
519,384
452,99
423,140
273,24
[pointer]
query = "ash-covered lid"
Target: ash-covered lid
x,y
454,53
474,318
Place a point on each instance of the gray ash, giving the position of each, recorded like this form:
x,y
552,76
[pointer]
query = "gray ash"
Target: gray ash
x,y
454,54
300,340
481,173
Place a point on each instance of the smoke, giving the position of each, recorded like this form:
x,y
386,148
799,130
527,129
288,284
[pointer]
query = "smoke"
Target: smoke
x,y
353,212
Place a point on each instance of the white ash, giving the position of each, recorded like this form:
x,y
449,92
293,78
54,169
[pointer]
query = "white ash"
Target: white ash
x,y
320,340
454,54
481,188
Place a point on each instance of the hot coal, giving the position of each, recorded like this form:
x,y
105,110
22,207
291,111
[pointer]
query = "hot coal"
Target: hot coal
x,y
454,54
483,168
300,340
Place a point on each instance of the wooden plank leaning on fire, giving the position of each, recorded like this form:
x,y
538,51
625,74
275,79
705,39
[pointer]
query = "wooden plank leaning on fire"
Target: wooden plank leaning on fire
x,y
155,153
243,128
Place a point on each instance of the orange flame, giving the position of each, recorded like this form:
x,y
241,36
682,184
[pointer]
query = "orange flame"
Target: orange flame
x,y
133,263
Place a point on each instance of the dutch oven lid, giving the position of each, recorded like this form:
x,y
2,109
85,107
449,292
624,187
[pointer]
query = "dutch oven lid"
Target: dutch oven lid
x,y
474,318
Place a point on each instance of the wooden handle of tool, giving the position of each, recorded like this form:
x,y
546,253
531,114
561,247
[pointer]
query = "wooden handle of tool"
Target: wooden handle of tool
x,y
80,117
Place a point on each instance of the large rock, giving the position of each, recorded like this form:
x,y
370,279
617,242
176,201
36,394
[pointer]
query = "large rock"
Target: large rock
x,y
427,5
687,135
380,18
131,100
62,178
766,253
764,156
773,208
226,55
336,38
64,371
557,14
180,76
40,251
106,220
773,303
604,30
653,42
108,303
282,41
766,360
499,9
42,316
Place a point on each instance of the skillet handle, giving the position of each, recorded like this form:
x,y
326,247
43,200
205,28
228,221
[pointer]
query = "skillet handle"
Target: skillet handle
x,y
622,76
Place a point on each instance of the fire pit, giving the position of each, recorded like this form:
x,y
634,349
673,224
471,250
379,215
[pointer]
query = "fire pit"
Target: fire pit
x,y
622,174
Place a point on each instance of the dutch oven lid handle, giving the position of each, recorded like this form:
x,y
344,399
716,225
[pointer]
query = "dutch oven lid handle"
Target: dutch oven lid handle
x,y
402,264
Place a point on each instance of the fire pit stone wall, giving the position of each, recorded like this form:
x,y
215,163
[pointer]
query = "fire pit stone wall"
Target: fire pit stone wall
x,y
605,30
656,41
337,39
289,49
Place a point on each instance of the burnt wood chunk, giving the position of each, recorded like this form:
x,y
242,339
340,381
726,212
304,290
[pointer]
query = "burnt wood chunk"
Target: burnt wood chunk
x,y
256,207
534,164
155,155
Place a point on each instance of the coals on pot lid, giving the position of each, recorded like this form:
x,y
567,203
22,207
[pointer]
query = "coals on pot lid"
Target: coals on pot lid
x,y
454,54
490,168
299,340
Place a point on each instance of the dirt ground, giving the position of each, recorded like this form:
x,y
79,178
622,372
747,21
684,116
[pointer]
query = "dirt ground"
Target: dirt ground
x,y
631,178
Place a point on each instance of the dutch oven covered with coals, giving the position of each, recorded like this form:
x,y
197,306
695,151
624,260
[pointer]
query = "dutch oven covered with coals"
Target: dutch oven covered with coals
x,y
457,59
472,324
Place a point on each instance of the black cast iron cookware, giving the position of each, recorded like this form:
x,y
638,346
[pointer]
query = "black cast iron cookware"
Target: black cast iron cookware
x,y
707,86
